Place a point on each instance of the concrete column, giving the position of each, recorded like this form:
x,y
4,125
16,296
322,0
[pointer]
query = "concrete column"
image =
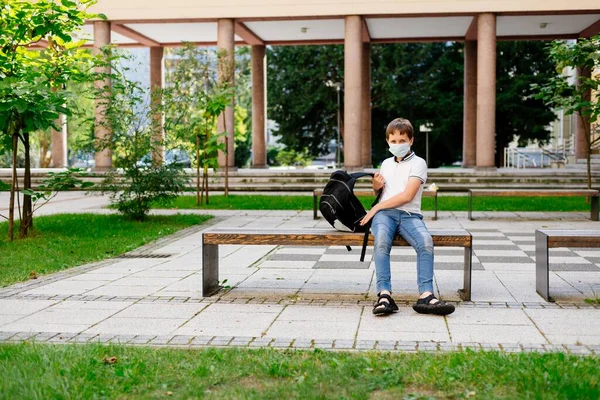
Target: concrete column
x,y
486,90
470,104
366,156
353,101
259,150
225,41
59,143
156,79
581,130
102,134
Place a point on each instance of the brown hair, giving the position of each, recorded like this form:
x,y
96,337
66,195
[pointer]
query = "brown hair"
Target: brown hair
x,y
401,125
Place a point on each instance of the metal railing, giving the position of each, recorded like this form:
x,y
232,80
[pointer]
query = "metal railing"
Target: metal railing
x,y
533,158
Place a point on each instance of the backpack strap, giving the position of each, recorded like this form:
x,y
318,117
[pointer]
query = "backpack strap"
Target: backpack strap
x,y
357,175
368,229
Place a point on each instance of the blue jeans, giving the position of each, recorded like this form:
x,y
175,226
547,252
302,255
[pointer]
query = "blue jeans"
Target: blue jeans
x,y
392,222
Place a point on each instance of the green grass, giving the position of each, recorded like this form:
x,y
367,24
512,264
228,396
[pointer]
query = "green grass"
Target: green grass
x,y
445,203
66,240
36,371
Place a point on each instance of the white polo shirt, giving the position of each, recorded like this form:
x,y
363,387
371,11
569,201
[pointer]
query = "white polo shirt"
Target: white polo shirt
x,y
396,175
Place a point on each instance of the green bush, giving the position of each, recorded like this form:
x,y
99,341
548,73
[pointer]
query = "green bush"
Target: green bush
x,y
145,185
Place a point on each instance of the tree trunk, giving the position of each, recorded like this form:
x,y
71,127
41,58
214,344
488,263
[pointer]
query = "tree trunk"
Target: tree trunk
x,y
198,195
27,217
205,174
588,150
13,188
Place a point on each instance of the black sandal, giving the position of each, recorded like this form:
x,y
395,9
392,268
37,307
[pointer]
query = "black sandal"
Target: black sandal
x,y
423,306
389,306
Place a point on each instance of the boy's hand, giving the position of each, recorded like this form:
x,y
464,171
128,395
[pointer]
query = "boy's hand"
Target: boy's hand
x,y
378,181
369,215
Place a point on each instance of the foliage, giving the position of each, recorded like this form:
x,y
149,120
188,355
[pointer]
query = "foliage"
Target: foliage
x,y
290,157
55,183
575,98
243,141
194,99
128,115
140,372
32,82
420,81
62,241
298,100
142,186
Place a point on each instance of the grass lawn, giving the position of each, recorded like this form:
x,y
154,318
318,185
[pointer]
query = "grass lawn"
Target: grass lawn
x,y
37,371
66,240
445,203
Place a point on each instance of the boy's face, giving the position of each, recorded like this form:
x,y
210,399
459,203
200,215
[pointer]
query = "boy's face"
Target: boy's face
x,y
398,137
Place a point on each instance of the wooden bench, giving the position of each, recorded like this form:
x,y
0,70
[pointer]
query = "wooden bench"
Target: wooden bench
x,y
368,192
546,239
593,194
316,237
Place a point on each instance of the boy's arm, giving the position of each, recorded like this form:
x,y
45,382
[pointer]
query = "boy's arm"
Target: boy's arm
x,y
412,187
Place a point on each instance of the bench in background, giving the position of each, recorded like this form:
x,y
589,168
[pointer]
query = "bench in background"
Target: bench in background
x,y
546,239
316,237
593,194
368,192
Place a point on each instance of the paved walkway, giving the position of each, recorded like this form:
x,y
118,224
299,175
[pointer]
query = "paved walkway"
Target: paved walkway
x,y
285,296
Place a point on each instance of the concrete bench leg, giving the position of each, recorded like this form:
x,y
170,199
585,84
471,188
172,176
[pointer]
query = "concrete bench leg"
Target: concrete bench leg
x,y
465,292
314,206
210,269
542,266
435,217
595,211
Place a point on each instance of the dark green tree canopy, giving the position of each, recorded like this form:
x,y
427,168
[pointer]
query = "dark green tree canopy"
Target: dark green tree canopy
x,y
419,81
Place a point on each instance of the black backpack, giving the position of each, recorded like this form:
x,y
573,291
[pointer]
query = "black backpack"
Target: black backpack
x,y
340,206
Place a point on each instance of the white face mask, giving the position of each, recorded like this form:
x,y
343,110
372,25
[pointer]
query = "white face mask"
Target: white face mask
x,y
399,150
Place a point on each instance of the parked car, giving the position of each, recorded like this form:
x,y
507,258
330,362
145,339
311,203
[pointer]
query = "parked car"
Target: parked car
x,y
173,156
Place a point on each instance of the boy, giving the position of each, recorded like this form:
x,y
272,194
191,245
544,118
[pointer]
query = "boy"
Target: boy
x,y
399,213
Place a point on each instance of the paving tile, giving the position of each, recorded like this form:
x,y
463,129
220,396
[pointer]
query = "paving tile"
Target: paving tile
x,y
241,341
385,345
344,344
482,333
23,307
315,329
281,342
161,339
323,344
261,342
201,340
170,310
137,326
302,343
142,339
180,340
365,344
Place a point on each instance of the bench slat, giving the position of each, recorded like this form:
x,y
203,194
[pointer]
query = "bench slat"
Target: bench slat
x,y
533,193
442,238
362,192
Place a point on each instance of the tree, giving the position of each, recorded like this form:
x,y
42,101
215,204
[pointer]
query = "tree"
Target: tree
x,y
32,86
419,81
298,99
127,114
194,99
575,98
